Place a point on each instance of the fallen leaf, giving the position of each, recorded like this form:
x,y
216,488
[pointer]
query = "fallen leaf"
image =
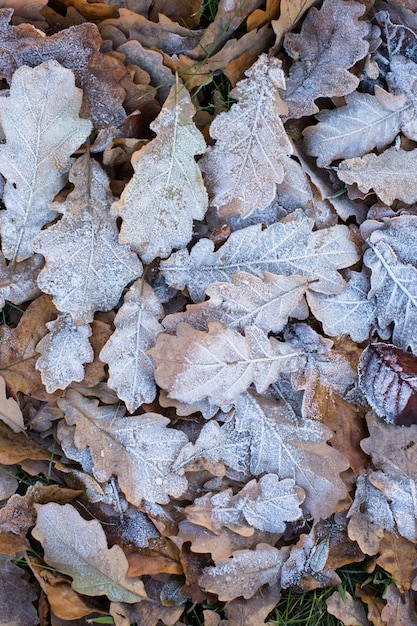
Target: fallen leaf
x,y
16,601
389,174
349,611
8,482
18,280
40,137
150,611
78,548
322,56
139,450
290,12
255,610
399,610
167,181
86,267
92,10
259,17
10,412
233,168
397,557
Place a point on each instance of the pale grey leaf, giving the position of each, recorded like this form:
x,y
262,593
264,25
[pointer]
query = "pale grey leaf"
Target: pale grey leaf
x,y
166,192
248,300
244,166
400,492
220,364
86,267
350,311
18,280
42,127
130,367
357,128
64,351
285,248
17,596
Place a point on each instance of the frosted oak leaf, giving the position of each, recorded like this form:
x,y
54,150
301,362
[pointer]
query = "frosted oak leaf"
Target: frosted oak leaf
x,y
220,364
166,192
64,350
139,450
42,127
130,367
288,247
86,267
244,166
78,548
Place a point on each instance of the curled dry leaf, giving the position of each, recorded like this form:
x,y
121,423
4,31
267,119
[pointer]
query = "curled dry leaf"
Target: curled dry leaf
x,y
86,267
64,350
42,127
248,300
390,174
288,247
244,573
166,192
130,367
78,548
241,173
331,41
139,450
10,412
388,378
221,364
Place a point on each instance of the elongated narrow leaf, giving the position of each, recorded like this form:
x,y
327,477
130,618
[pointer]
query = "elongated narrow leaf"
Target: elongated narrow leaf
x,y
167,192
130,367
43,129
64,350
139,450
78,548
243,168
221,364
86,266
288,247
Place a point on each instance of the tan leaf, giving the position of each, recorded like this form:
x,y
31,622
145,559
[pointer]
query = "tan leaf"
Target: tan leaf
x,y
322,58
247,300
18,280
95,371
288,248
18,348
86,268
166,191
8,482
161,556
254,611
63,352
92,10
399,610
220,364
17,596
24,11
40,137
349,611
130,367
290,11
244,573
188,13
78,548
397,556
148,612
10,412
139,450
259,17
250,139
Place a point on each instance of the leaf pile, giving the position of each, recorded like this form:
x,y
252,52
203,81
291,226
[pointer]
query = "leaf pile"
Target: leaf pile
x,y
209,288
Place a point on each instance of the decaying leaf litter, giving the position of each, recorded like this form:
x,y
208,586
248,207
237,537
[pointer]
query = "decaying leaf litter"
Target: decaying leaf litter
x,y
209,289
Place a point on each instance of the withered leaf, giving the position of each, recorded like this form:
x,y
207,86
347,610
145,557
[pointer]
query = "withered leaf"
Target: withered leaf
x,y
8,482
148,612
331,41
18,280
349,611
244,166
399,609
15,447
397,556
247,300
365,123
18,348
139,450
267,505
290,11
64,350
351,311
388,378
285,248
244,573
78,548
166,192
220,364
42,127
10,412
390,174
17,596
76,48
86,267
130,367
